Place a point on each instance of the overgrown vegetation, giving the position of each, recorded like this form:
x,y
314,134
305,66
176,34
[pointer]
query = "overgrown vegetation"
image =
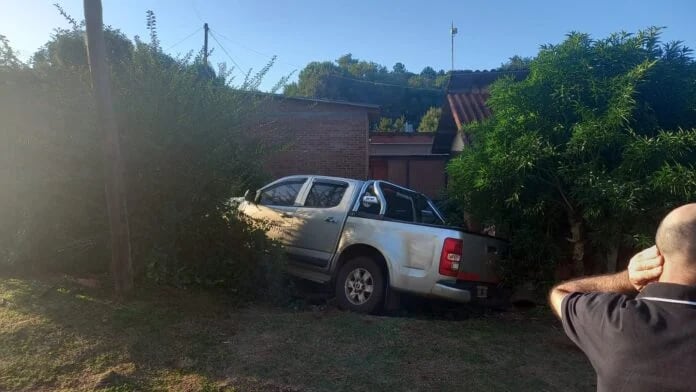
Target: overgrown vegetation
x,y
430,120
186,150
428,123
387,124
584,156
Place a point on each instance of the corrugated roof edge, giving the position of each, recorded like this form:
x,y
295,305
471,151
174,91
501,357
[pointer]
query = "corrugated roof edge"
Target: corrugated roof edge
x,y
320,100
460,81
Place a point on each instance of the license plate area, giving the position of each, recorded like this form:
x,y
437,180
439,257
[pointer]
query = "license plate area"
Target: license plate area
x,y
481,292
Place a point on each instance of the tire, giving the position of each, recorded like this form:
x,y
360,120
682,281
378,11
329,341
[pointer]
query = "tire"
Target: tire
x,y
360,286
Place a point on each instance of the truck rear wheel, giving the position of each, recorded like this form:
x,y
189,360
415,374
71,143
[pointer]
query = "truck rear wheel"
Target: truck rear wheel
x,y
360,286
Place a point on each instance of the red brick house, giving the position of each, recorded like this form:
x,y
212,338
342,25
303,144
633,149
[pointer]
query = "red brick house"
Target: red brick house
x,y
315,136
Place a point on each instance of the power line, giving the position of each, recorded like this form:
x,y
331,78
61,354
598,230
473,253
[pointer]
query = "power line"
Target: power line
x,y
386,84
227,53
198,14
243,46
332,75
256,51
185,38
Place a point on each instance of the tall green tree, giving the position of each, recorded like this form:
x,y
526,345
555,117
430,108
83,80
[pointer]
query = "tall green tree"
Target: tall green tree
x,y
398,91
428,72
515,63
430,120
8,57
386,124
399,68
587,153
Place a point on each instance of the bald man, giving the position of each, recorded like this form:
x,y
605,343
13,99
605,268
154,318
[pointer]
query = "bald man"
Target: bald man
x,y
638,327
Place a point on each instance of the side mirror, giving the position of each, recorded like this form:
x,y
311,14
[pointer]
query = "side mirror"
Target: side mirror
x,y
368,200
250,196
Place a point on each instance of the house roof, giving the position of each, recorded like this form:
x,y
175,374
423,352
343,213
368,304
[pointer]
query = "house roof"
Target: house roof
x,y
467,107
371,107
467,93
329,101
463,81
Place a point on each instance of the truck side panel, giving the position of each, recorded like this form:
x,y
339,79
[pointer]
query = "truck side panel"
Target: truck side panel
x,y
318,229
412,252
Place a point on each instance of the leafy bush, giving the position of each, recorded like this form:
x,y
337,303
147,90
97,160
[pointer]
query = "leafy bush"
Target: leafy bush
x,y
584,156
186,146
231,254
430,120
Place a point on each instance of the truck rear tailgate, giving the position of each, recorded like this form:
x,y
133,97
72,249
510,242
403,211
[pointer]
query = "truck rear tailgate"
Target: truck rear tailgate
x,y
480,254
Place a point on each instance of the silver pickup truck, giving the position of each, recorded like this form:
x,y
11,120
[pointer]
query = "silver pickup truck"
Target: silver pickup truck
x,y
369,237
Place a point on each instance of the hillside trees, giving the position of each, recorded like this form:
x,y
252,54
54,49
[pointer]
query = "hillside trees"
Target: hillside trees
x,y
398,91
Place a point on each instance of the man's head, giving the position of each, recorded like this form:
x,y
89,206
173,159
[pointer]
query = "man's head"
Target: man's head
x,y
676,242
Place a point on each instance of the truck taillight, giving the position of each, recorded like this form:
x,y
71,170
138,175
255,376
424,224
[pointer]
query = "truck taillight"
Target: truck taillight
x,y
451,256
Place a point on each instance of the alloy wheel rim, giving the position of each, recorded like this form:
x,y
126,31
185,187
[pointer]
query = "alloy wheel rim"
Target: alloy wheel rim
x,y
359,286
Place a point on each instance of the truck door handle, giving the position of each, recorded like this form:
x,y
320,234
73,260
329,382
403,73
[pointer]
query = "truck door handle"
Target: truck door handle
x,y
330,220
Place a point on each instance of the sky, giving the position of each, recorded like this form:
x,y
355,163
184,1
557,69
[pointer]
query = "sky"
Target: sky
x,y
415,33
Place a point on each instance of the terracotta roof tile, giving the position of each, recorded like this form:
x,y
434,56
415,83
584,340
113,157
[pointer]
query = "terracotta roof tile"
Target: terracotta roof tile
x,y
468,107
467,93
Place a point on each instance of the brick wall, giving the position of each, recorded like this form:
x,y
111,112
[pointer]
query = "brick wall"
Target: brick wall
x,y
307,137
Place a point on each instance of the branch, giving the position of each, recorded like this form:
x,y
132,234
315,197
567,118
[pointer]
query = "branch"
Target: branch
x,y
565,199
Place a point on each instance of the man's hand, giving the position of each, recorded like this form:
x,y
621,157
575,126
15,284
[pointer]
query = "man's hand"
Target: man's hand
x,y
645,267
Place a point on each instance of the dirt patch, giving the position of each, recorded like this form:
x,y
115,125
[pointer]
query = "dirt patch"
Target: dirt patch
x,y
113,378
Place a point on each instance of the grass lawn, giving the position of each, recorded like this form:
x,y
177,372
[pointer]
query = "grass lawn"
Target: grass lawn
x,y
57,335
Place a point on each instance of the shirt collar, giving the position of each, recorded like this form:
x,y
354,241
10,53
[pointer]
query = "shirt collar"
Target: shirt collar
x,y
671,291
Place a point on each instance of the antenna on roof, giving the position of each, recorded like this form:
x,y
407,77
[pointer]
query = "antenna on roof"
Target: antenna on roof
x,y
453,32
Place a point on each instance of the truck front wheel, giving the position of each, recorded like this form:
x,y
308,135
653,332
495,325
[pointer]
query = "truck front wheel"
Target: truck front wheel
x,y
360,286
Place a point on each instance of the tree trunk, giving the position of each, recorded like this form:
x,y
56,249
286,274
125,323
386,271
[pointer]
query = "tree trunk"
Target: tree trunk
x,y
471,223
612,257
578,241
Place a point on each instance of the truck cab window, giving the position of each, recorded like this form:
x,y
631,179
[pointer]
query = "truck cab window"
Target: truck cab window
x,y
425,213
282,194
400,204
325,195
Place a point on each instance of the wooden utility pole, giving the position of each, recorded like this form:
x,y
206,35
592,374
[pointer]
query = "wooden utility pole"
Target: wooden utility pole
x,y
121,267
205,44
453,32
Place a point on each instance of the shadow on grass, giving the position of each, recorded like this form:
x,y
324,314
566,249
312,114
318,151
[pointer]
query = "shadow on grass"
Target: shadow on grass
x,y
409,306
56,335
74,337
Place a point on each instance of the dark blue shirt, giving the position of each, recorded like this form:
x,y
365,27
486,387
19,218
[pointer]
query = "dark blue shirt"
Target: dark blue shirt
x,y
646,343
